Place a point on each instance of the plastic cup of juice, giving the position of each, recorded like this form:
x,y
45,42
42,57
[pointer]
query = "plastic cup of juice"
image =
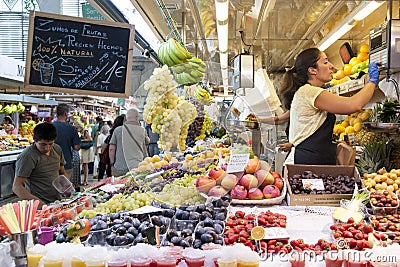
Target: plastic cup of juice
x,y
33,258
95,263
52,262
140,262
193,257
77,262
175,251
297,259
227,262
334,259
166,261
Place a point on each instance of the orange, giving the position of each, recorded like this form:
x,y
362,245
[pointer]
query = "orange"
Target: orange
x,y
362,56
258,233
347,69
364,48
340,74
354,61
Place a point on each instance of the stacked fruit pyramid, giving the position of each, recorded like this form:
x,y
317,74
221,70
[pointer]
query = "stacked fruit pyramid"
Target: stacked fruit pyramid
x,y
352,70
187,69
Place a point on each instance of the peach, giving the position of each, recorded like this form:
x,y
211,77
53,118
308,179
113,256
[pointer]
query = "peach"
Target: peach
x,y
229,181
264,177
239,192
255,194
217,191
216,174
249,181
271,191
205,183
252,165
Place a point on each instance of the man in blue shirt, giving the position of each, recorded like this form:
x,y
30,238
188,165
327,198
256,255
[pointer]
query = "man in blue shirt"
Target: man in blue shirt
x,y
67,137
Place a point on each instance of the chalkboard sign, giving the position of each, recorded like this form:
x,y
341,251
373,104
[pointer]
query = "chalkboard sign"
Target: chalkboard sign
x,y
76,55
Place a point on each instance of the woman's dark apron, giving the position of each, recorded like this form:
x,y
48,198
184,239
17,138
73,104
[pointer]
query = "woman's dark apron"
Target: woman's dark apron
x,y
318,149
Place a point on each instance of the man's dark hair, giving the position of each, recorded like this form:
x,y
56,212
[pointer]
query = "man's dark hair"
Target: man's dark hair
x,y
44,131
99,119
62,109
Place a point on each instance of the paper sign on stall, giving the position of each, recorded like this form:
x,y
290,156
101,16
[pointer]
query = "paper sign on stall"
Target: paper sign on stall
x,y
312,184
237,162
145,209
276,233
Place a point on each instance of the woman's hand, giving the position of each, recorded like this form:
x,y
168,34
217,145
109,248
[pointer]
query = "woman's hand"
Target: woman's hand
x,y
285,147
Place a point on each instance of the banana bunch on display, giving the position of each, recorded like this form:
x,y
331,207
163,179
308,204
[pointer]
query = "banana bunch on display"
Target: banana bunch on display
x,y
208,21
20,107
7,109
203,96
190,72
172,53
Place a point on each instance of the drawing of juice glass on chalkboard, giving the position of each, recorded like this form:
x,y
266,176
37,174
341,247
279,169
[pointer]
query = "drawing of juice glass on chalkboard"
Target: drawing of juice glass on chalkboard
x,y
46,73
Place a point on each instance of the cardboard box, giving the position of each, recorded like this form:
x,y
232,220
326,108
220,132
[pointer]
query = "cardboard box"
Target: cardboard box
x,y
318,200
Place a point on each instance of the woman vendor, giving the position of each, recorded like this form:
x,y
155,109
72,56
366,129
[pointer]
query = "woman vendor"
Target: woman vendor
x,y
312,108
9,125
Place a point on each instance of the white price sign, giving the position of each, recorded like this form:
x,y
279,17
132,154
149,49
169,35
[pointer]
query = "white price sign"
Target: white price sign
x,y
237,162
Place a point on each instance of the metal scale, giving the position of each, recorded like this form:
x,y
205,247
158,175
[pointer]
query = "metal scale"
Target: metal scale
x,y
243,77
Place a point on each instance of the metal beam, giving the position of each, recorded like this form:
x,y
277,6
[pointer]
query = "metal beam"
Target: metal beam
x,y
199,27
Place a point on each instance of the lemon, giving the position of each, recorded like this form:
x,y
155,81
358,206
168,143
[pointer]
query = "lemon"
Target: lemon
x,y
258,233
349,130
340,129
188,157
357,127
156,158
344,123
364,116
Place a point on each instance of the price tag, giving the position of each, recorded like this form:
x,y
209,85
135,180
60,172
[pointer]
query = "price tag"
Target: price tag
x,y
145,209
108,188
276,233
237,162
313,184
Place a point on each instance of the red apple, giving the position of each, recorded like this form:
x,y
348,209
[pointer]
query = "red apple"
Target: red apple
x,y
229,181
278,182
217,191
217,174
271,191
252,165
255,194
239,192
249,181
264,177
276,174
205,183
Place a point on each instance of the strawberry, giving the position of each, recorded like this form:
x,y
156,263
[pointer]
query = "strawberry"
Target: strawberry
x,y
244,234
249,217
367,229
240,214
233,238
333,227
350,220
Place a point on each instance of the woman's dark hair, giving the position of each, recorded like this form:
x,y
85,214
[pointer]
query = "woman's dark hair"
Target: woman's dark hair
x,y
9,120
297,76
44,131
119,121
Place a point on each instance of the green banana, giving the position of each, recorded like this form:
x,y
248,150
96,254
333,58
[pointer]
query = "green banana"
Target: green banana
x,y
160,53
174,59
177,49
196,74
197,61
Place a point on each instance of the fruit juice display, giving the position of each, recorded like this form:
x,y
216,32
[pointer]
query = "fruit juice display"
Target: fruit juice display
x,y
140,262
333,259
77,262
175,251
166,261
194,261
95,263
33,259
227,262
297,260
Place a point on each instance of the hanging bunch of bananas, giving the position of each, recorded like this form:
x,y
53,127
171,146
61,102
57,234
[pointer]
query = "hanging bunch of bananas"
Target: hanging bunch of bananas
x,y
202,95
8,109
20,107
207,16
187,69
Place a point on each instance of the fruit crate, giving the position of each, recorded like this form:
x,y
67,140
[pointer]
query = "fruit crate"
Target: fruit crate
x,y
318,199
378,196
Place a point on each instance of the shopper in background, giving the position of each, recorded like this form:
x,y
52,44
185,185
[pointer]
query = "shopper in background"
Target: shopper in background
x,y
277,120
76,159
153,146
67,136
87,153
105,158
38,165
100,141
312,108
96,152
128,145
9,125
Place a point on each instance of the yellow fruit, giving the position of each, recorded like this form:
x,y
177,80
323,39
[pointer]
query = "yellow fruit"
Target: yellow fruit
x,y
157,165
339,129
347,69
357,127
351,122
345,123
341,137
188,157
349,130
156,158
362,56
340,74
364,48
354,61
364,115
357,120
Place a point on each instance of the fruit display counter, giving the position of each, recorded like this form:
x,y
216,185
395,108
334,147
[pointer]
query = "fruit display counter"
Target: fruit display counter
x,y
7,166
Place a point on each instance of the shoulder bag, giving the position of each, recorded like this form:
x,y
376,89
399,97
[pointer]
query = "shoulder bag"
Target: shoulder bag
x,y
141,147
104,154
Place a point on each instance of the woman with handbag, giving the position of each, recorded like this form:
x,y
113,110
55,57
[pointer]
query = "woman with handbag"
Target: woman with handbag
x,y
87,154
101,150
